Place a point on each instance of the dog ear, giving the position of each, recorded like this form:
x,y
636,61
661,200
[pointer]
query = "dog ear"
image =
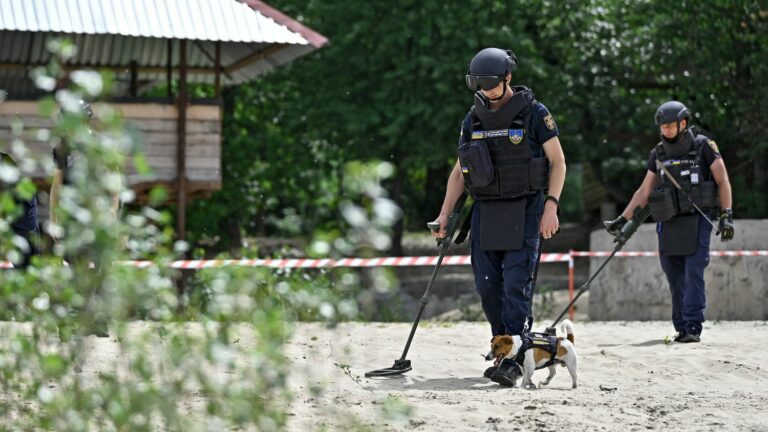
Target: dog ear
x,y
507,340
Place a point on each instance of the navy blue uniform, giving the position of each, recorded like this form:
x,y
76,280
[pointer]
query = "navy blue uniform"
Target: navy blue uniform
x,y
503,279
685,274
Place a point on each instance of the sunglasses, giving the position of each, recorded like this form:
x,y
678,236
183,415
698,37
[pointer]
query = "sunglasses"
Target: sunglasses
x,y
484,82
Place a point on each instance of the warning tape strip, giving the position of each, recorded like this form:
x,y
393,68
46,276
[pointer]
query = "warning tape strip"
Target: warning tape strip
x,y
655,254
406,261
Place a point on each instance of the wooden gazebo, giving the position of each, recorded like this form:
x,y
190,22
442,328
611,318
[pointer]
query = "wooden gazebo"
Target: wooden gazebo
x,y
148,42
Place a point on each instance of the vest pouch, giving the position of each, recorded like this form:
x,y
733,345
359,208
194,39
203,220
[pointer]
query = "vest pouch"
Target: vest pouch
x,y
683,205
513,180
709,195
662,204
476,165
538,173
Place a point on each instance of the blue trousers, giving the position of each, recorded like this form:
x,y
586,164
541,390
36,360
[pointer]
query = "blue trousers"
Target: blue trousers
x,y
503,279
686,282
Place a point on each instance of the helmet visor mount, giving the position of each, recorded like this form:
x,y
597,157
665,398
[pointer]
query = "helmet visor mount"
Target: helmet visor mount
x,y
483,82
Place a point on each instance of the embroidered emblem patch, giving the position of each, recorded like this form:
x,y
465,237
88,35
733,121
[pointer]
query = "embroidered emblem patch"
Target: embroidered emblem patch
x,y
516,135
713,144
550,122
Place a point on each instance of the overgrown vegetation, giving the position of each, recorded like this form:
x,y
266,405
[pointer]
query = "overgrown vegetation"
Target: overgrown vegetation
x,y
211,359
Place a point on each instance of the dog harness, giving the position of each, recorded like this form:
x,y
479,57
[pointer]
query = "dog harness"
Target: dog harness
x,y
543,341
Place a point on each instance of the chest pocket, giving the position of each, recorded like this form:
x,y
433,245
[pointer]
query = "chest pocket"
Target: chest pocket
x,y
476,165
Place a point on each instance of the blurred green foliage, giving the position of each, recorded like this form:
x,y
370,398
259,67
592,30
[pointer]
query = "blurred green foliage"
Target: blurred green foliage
x,y
209,358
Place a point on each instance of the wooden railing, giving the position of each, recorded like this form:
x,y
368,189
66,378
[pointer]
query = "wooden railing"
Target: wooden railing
x,y
156,127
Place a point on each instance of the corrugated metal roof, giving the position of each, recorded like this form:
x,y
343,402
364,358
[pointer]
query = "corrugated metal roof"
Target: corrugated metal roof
x,y
207,20
254,38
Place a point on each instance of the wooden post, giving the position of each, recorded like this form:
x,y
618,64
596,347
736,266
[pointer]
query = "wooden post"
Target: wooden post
x,y
181,165
217,75
181,147
134,79
169,70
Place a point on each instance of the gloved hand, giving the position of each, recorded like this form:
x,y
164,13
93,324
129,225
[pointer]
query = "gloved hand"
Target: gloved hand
x,y
614,227
725,229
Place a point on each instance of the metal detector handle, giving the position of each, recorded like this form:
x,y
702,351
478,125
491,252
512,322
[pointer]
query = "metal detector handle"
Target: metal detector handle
x,y
629,228
454,220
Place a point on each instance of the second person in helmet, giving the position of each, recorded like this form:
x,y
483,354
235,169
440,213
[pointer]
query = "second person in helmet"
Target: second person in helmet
x,y
509,157
692,162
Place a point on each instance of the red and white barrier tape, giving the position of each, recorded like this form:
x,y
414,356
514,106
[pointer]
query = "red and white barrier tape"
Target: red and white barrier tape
x,y
655,254
408,261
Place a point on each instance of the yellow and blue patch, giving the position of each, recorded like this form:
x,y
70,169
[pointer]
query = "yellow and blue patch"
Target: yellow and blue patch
x,y
515,135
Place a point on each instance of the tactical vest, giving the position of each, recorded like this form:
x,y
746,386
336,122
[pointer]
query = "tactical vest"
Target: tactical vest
x,y
666,201
544,341
498,160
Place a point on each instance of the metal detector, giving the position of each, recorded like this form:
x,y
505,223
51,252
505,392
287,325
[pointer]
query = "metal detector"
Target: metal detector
x,y
402,365
641,214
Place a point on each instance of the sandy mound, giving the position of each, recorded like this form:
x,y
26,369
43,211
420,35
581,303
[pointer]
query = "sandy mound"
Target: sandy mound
x,y
629,379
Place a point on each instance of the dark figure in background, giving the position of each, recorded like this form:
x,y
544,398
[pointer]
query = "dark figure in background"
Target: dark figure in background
x,y
694,162
25,225
65,157
509,155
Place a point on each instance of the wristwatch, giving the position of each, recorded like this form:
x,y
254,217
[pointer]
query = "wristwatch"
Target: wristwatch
x,y
553,199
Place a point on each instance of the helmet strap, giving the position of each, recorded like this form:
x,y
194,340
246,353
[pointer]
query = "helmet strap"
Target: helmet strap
x,y
503,92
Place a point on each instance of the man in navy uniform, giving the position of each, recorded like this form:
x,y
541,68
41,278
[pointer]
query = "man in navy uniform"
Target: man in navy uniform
x,y
509,155
691,161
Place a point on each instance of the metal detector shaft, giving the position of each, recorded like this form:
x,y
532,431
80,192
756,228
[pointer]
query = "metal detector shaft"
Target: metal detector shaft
x,y
424,300
454,220
622,237
584,287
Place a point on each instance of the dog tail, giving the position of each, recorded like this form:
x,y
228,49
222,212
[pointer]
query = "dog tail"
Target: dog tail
x,y
567,328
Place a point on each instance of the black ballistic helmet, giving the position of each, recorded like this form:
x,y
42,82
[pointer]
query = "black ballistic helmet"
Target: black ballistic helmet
x,y
671,112
489,67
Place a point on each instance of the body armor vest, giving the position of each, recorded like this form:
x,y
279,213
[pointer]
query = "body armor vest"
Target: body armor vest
x,y
498,160
683,161
544,341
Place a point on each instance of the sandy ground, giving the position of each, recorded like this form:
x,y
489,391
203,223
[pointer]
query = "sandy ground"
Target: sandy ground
x,y
629,379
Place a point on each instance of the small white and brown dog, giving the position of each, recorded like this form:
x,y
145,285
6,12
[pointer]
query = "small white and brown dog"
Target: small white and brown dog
x,y
540,350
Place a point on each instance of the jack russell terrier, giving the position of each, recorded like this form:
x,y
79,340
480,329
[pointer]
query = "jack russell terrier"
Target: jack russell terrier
x,y
536,351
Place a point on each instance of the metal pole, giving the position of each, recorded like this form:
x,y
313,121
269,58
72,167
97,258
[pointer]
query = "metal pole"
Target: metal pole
x,y
570,284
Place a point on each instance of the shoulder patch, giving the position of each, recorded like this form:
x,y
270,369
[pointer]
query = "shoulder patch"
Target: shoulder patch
x,y
549,121
713,145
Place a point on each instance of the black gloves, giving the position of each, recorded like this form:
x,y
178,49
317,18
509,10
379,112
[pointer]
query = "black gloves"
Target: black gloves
x,y
614,227
725,229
